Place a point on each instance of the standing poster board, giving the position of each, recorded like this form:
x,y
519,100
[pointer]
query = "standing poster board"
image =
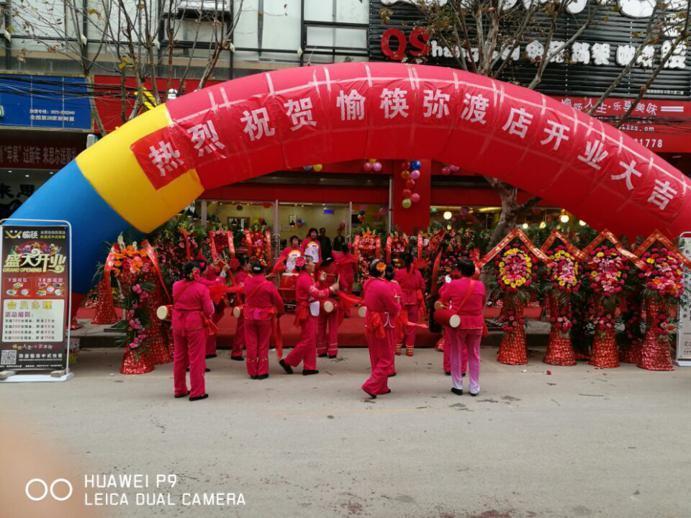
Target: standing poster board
x,y
683,358
35,291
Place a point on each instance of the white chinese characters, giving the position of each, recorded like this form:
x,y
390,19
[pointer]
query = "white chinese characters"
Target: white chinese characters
x,y
594,154
394,103
662,194
475,110
556,133
165,157
257,124
629,171
436,104
300,113
518,122
205,138
351,105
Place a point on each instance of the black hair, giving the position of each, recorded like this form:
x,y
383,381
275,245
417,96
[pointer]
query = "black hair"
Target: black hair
x,y
466,267
407,260
293,237
373,270
309,232
242,259
257,267
327,261
390,272
188,269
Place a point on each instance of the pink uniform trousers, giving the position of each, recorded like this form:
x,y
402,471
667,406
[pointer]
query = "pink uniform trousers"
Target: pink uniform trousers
x,y
447,355
239,338
189,351
465,343
306,349
327,332
381,360
392,334
409,332
257,338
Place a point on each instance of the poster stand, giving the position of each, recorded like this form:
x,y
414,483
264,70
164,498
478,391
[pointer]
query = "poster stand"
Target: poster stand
x,y
683,356
35,375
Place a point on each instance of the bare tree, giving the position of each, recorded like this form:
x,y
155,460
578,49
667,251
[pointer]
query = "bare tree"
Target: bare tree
x,y
144,40
486,38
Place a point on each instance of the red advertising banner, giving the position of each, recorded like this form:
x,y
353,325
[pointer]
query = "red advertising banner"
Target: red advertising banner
x,y
35,297
663,126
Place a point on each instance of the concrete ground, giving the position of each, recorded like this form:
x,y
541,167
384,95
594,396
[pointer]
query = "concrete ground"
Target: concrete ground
x,y
578,442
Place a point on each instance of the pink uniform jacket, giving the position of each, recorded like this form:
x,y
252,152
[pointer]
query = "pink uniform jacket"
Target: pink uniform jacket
x,y
411,282
380,302
262,300
191,299
472,310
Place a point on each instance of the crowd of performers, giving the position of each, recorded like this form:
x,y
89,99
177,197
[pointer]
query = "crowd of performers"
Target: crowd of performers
x,y
392,300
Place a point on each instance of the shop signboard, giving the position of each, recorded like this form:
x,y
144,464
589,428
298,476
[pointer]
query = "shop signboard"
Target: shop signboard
x,y
35,299
31,101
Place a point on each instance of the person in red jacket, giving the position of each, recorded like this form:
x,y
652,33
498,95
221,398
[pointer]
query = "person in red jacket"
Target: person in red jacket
x,y
286,260
239,279
311,246
327,329
413,286
382,310
465,297
192,306
262,303
307,296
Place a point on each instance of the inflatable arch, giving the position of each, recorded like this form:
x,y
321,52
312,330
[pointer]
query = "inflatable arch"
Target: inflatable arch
x,y
145,172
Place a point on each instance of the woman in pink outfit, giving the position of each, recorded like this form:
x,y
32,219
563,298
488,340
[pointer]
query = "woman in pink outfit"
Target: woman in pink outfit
x,y
465,297
413,287
382,311
192,306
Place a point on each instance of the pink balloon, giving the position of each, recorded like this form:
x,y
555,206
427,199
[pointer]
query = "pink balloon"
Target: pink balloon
x,y
446,170
415,197
367,167
377,166
415,174
406,193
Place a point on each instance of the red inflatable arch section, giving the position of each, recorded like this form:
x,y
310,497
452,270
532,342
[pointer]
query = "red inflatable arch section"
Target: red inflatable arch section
x,y
321,114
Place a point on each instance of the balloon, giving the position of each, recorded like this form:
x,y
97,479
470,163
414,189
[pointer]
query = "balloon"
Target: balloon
x,y
454,169
372,160
404,165
415,197
415,174
317,167
446,170
406,193
405,174
377,166
367,167
307,168
410,184
406,203
415,164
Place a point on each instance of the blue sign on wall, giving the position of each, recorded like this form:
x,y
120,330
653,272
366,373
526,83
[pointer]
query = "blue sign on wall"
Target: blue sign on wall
x,y
44,102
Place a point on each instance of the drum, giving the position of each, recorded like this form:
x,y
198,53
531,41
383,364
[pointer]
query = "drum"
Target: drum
x,y
362,311
164,312
446,317
237,311
328,305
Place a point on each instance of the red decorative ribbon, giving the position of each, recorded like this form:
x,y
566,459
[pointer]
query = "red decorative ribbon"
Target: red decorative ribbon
x,y
151,254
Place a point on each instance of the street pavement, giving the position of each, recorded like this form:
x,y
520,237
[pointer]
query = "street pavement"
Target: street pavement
x,y
538,441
